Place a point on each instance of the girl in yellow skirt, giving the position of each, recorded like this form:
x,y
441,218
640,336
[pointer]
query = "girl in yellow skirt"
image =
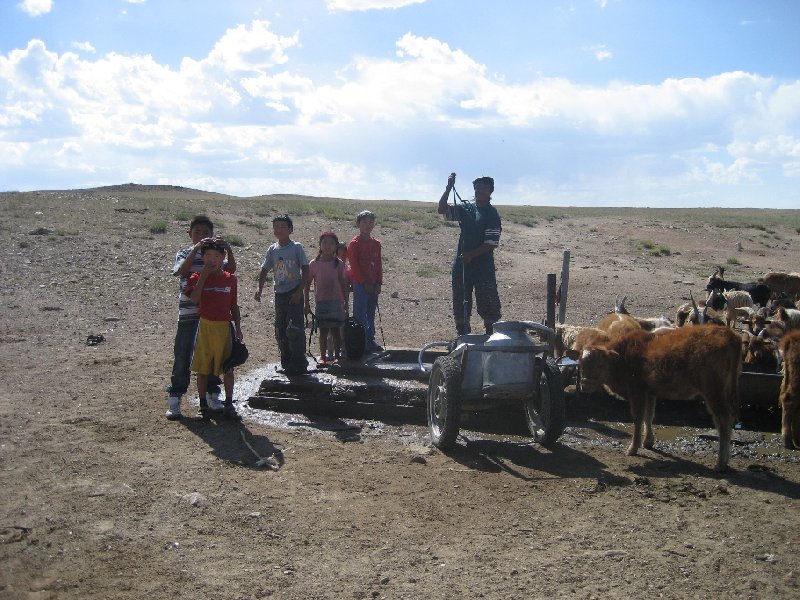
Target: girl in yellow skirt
x,y
215,291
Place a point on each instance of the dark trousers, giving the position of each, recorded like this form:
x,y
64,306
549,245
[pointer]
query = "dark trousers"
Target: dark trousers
x,y
290,332
484,285
181,367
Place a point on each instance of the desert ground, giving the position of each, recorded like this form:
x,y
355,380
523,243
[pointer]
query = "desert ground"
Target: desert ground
x,y
102,497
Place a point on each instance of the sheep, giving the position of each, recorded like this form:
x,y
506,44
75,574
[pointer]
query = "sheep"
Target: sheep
x,y
731,301
565,338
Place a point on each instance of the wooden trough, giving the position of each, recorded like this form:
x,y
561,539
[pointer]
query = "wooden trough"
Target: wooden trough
x,y
388,385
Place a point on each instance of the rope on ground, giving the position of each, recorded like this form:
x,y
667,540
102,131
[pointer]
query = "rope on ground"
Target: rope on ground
x,y
263,461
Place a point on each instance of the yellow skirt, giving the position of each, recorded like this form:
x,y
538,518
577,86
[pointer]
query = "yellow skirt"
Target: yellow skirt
x,y
211,347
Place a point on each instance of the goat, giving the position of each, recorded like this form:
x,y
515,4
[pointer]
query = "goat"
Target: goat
x,y
786,283
790,317
759,292
760,353
646,323
690,314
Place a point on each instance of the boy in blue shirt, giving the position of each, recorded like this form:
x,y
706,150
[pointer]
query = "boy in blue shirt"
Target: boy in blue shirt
x,y
287,260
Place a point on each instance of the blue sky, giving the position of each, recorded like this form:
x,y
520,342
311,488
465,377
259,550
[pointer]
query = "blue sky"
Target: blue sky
x,y
582,103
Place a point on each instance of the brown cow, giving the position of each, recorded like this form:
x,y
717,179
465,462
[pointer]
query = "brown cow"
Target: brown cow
x,y
790,390
679,364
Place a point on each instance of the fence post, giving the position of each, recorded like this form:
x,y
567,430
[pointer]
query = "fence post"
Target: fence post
x,y
562,306
550,320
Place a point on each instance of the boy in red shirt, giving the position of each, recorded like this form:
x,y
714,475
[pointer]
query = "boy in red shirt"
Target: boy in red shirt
x,y
215,291
366,275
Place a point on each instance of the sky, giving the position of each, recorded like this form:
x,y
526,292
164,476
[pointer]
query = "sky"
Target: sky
x,y
670,103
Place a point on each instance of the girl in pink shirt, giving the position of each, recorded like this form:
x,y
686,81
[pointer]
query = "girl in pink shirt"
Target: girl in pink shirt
x,y
331,291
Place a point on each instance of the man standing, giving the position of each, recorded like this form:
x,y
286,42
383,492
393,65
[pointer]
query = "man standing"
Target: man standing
x,y
473,268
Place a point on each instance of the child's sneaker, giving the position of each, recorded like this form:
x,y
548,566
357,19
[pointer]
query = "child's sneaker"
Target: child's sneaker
x,y
229,410
174,408
213,402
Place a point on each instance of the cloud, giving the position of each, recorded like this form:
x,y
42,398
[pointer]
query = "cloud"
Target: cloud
x,y
364,5
85,46
244,120
36,8
601,53
253,49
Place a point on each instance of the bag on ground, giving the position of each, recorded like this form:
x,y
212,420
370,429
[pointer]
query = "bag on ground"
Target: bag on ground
x,y
354,339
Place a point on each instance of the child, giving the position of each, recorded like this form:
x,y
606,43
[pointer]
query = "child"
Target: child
x,y
366,275
187,261
287,260
330,293
215,292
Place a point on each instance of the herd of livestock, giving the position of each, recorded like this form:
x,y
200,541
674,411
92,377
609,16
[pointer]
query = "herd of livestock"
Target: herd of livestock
x,y
698,354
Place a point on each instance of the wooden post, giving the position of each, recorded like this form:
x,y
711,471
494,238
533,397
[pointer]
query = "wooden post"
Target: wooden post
x,y
551,306
562,307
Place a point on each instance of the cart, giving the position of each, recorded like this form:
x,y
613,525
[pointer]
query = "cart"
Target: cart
x,y
482,372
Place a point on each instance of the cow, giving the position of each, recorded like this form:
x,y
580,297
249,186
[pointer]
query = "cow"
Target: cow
x,y
790,390
680,364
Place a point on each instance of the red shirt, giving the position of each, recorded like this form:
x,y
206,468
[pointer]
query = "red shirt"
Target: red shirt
x,y
219,296
365,260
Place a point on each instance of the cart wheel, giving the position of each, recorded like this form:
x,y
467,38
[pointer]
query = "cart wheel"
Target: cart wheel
x,y
544,410
444,402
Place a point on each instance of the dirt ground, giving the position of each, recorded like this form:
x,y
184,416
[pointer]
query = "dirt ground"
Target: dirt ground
x,y
102,497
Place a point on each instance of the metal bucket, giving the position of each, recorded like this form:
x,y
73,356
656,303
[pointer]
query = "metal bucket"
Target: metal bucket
x,y
508,361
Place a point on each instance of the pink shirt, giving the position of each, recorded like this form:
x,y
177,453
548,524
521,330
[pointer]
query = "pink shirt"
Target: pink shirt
x,y
330,279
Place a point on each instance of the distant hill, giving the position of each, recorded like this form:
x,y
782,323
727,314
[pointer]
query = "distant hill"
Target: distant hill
x,y
138,187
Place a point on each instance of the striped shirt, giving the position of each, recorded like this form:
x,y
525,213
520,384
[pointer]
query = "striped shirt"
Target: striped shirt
x,y
479,225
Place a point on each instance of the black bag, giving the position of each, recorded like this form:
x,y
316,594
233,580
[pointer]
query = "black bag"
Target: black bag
x,y
355,341
239,354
